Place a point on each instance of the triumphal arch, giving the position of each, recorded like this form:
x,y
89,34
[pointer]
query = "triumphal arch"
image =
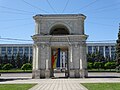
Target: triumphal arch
x,y
59,46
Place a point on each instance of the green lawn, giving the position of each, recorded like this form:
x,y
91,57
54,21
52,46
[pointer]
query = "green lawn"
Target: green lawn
x,y
101,70
16,86
102,86
15,71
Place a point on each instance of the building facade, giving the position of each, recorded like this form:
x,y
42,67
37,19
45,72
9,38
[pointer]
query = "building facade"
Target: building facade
x,y
106,49
14,49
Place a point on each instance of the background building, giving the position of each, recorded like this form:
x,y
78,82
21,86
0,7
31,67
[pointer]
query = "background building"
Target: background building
x,y
105,49
14,49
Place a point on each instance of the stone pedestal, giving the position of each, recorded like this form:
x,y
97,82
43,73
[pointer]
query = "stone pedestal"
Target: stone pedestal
x,y
36,74
77,74
83,73
71,73
42,73
47,73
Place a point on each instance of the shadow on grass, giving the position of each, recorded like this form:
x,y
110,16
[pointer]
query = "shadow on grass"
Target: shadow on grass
x,y
12,79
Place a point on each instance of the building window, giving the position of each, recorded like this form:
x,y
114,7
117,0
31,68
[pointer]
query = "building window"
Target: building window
x,y
89,49
26,50
31,51
21,51
95,49
112,52
15,51
3,51
9,50
107,54
101,51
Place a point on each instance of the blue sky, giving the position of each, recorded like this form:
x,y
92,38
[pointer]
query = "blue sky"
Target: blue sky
x,y
16,17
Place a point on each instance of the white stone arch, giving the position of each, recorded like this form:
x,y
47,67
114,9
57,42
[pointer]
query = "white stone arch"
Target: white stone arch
x,y
59,24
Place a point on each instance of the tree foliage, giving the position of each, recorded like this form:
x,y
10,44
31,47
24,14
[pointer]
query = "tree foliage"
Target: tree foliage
x,y
118,48
18,61
13,61
5,59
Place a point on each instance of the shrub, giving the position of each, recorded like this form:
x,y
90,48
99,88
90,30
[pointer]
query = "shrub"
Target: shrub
x,y
97,65
113,65
0,66
118,69
90,65
7,66
26,66
110,65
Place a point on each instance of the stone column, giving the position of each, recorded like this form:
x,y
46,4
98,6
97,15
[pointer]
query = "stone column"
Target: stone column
x,y
83,62
48,62
37,27
36,71
34,58
76,57
44,58
34,62
71,68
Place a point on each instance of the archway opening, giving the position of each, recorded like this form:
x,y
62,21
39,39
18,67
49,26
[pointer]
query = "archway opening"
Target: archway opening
x,y
59,30
59,62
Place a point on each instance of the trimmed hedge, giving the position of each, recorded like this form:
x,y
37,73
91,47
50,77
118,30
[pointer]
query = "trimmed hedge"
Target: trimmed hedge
x,y
26,66
7,66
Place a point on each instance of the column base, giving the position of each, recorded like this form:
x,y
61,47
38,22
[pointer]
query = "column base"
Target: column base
x,y
35,74
47,74
78,73
83,73
71,73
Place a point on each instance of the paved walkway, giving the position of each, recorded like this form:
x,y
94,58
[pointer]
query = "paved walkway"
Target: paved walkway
x,y
59,84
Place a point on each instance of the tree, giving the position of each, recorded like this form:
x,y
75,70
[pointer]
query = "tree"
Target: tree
x,y
24,59
89,58
18,61
118,48
1,60
95,57
0,66
13,61
5,59
30,61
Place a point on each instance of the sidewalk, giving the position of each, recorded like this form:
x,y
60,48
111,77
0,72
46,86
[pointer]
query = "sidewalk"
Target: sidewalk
x,y
60,84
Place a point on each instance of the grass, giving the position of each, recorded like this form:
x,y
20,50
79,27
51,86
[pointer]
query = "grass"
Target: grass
x,y
102,86
16,86
15,71
101,70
